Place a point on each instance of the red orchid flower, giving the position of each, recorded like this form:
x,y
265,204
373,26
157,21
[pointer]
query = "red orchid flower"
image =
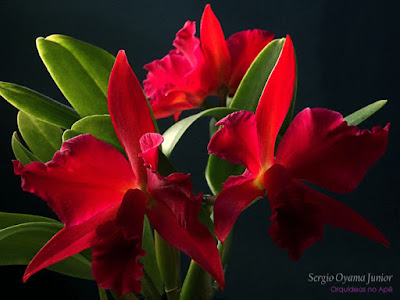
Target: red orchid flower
x,y
102,198
197,68
318,147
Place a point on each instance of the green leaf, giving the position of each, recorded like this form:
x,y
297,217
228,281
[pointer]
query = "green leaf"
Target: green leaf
x,y
217,172
22,236
205,219
80,70
20,152
38,105
173,134
102,294
253,82
149,261
69,134
364,113
100,126
246,98
9,219
43,139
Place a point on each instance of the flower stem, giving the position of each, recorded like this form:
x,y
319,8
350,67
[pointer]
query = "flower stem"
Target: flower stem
x,y
102,294
224,252
168,260
149,290
197,284
223,92
128,296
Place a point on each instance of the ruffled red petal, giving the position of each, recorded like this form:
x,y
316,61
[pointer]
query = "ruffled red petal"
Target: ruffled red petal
x,y
275,101
238,193
300,212
129,111
178,81
321,148
237,141
85,177
118,246
244,46
69,241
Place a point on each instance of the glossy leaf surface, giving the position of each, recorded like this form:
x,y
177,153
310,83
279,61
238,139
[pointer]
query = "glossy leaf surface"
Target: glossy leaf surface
x,y
38,105
43,139
80,70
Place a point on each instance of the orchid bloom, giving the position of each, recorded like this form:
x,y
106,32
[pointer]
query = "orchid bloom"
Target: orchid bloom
x,y
102,198
318,147
197,68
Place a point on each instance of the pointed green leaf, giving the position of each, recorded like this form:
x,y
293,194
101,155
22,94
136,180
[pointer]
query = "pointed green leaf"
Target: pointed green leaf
x,y
20,152
100,126
364,113
217,172
80,70
43,139
253,82
173,134
102,294
205,218
22,236
9,219
149,261
38,105
68,134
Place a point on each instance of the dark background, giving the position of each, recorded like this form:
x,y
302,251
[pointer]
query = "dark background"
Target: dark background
x,y
347,55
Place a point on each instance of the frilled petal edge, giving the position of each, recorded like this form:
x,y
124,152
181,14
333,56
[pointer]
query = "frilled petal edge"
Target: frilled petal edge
x,y
237,141
85,177
321,148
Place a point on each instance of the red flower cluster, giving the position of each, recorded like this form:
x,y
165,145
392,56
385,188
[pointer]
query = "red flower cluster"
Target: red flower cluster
x,y
318,147
197,68
102,198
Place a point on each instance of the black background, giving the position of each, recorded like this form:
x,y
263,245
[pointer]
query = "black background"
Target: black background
x,y
347,55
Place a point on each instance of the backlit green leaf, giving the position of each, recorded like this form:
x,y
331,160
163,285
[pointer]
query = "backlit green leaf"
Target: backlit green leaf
x,y
80,70
38,105
173,134
20,152
364,113
22,236
253,82
43,139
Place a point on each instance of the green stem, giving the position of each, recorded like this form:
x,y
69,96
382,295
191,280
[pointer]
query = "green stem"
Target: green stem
x,y
197,284
149,290
102,294
223,92
128,296
224,252
168,260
